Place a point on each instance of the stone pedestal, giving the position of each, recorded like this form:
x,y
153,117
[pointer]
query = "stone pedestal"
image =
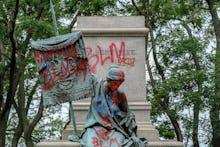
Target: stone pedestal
x,y
121,41
76,144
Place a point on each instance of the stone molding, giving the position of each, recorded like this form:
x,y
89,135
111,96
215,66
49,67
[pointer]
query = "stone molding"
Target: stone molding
x,y
76,144
134,32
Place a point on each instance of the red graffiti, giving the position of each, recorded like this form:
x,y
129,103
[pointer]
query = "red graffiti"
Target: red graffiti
x,y
115,99
95,141
114,140
82,66
115,55
58,65
67,51
104,136
106,121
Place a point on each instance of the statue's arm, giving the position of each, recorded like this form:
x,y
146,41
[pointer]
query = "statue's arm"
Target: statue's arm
x,y
128,122
124,103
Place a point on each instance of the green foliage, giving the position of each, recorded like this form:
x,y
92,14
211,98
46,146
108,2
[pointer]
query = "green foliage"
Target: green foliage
x,y
188,45
166,130
30,24
88,7
34,21
50,127
182,38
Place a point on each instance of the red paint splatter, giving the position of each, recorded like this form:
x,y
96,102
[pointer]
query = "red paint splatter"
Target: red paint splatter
x,y
121,52
124,98
59,69
94,59
116,99
114,140
37,56
95,141
106,121
116,56
110,57
82,66
103,134
73,52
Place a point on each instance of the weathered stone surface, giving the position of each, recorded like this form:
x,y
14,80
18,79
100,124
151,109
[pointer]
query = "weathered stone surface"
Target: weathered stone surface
x,y
108,47
110,22
76,144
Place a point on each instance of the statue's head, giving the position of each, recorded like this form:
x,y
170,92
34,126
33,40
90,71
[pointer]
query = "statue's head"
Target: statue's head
x,y
115,77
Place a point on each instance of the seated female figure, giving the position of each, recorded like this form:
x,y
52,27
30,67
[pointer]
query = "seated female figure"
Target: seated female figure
x,y
109,122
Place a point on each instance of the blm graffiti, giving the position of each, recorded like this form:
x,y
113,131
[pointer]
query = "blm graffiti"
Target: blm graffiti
x,y
63,68
103,136
116,53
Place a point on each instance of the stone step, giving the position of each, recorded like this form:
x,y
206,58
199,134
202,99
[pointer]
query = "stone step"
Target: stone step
x,y
141,109
76,144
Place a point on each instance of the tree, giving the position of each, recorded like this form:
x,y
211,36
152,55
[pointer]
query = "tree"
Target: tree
x,y
215,105
22,21
6,103
182,66
15,57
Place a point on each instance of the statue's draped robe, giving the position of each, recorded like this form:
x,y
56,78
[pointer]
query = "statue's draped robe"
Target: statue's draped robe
x,y
109,122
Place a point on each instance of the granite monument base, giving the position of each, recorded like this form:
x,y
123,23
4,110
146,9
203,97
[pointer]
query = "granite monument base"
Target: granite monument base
x,y
76,144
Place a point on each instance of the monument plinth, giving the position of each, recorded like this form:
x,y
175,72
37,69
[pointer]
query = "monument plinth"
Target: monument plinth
x,y
118,40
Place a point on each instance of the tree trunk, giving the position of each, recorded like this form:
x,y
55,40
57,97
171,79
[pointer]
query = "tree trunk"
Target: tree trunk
x,y
195,124
196,104
6,106
197,100
2,72
215,108
17,135
3,128
29,129
176,128
28,140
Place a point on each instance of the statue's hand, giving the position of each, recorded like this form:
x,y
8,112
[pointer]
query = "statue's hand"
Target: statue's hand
x,y
136,140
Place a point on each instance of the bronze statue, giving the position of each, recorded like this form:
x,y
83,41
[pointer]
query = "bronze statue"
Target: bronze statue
x,y
110,121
